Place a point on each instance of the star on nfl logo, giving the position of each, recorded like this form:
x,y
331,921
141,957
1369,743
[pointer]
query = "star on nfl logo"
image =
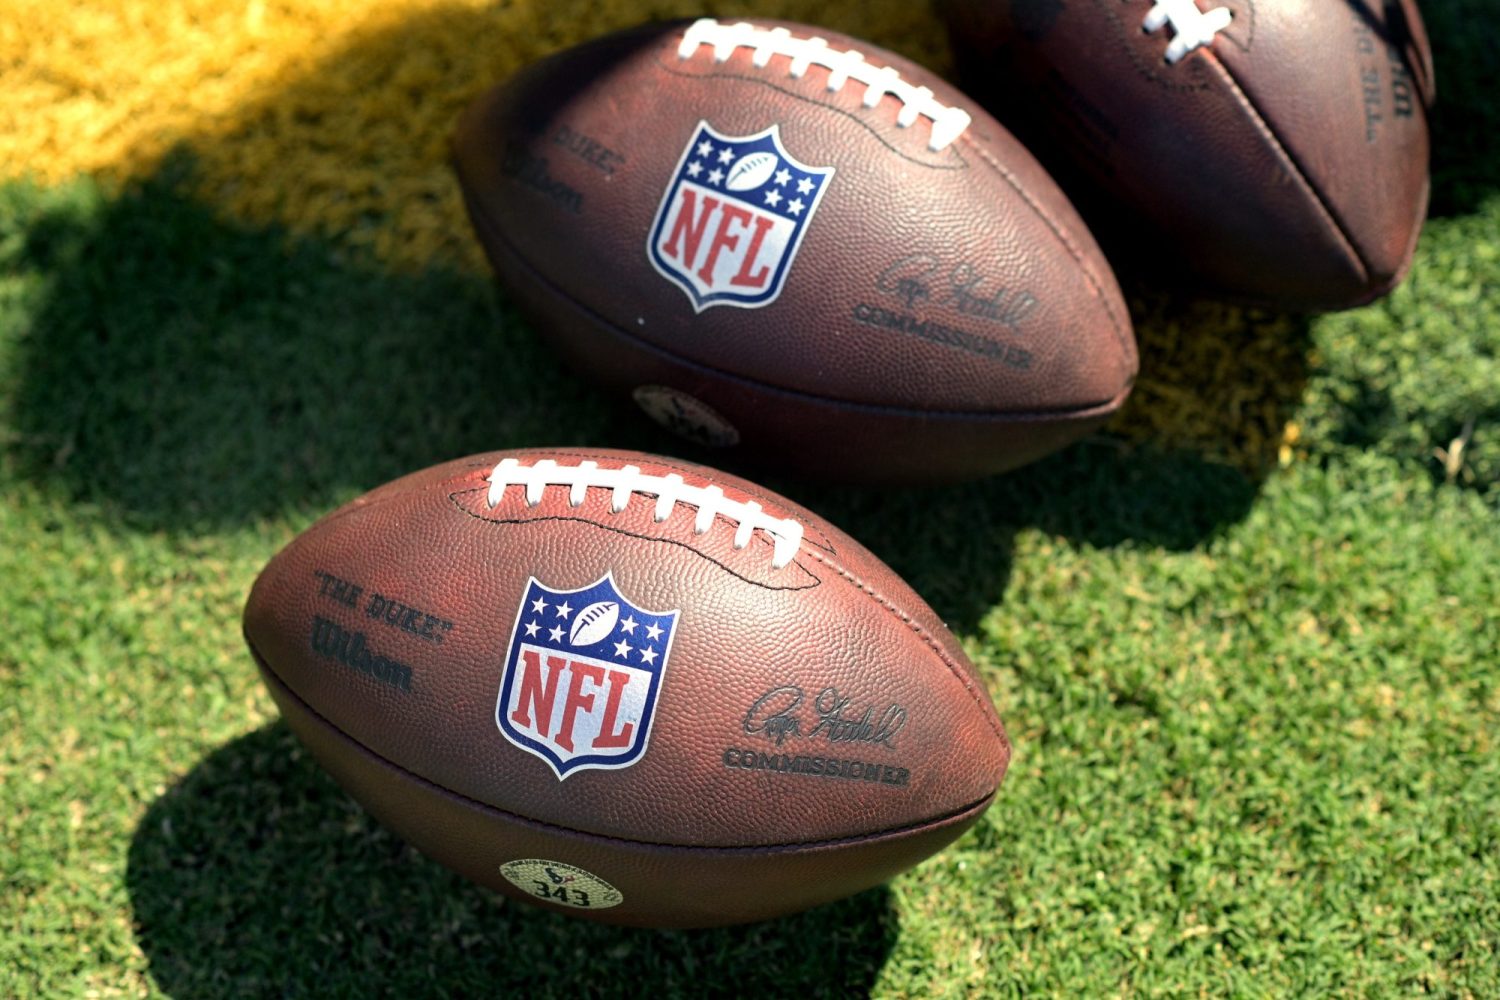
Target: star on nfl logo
x,y
733,217
581,676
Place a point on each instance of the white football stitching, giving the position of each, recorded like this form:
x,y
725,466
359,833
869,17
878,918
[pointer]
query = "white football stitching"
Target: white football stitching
x,y
916,102
785,533
594,623
1192,28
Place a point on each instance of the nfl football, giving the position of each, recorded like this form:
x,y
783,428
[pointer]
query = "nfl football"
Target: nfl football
x,y
799,246
626,688
1271,150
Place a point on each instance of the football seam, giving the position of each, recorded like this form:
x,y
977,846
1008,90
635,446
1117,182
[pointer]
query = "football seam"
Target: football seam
x,y
446,487
1123,335
895,831
666,462
487,228
647,538
981,699
843,59
1325,211
746,78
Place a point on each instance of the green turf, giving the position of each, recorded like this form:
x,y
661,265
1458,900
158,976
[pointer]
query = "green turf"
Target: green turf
x,y
1256,721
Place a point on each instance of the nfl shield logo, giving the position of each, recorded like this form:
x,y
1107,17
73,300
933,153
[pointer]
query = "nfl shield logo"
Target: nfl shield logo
x,y
581,676
733,217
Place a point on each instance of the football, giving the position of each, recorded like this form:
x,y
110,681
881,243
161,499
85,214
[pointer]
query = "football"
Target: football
x,y
1272,151
625,687
793,245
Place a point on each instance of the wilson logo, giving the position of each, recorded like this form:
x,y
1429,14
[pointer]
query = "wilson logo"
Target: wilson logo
x,y
334,642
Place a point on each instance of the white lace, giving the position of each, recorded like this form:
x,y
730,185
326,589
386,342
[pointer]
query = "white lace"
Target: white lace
x,y
947,123
1191,28
669,490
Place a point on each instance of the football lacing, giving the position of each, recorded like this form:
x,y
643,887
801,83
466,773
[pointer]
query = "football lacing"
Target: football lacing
x,y
947,123
669,490
1191,28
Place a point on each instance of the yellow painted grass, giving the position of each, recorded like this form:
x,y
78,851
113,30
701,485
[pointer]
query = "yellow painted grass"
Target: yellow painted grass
x,y
328,116
331,117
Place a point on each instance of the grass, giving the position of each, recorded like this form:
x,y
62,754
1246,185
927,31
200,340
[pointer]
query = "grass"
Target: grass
x,y
1255,703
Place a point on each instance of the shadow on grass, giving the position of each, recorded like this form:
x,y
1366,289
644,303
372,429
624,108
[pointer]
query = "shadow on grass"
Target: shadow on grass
x,y
185,375
1465,37
256,876
955,545
188,375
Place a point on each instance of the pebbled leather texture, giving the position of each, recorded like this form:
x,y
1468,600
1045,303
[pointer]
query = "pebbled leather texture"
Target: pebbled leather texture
x,y
1286,162
948,309
713,823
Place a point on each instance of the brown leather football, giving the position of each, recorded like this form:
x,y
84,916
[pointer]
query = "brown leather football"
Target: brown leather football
x,y
794,244
1273,150
625,687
